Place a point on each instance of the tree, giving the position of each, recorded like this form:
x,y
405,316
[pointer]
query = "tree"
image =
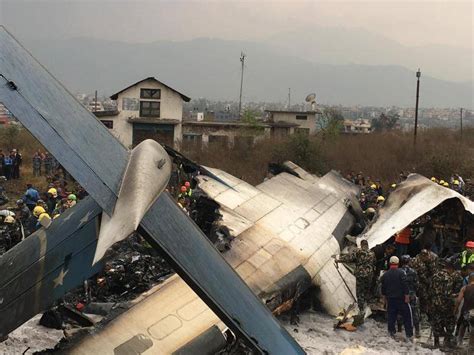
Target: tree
x,y
385,122
251,125
331,123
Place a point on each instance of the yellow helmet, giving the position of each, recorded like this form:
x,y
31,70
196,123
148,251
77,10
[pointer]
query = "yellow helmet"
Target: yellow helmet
x,y
445,184
434,179
373,186
53,192
380,199
441,182
394,186
38,210
9,220
43,216
456,182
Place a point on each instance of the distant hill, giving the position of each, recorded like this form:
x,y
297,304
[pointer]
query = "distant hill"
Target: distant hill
x,y
337,45
211,68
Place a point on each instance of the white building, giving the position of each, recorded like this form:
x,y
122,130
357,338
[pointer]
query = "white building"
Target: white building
x,y
146,109
305,121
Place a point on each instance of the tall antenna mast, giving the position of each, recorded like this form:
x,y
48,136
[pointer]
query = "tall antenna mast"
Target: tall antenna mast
x,y
289,98
242,60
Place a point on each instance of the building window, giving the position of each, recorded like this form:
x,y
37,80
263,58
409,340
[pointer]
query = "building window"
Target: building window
x,y
218,139
301,117
303,131
149,109
154,94
107,123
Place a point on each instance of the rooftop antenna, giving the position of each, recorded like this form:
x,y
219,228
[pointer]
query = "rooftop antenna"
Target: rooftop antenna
x,y
311,98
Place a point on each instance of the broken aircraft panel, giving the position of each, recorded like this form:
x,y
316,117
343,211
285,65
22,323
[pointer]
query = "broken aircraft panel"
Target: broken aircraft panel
x,y
413,198
285,231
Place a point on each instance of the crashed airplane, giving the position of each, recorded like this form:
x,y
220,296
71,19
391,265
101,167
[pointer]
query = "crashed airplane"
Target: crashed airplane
x,y
283,233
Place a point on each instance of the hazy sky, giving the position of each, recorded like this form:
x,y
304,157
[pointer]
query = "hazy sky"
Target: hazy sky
x,y
410,22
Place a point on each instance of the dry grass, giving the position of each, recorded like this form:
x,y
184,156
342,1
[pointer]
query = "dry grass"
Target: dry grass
x,y
382,156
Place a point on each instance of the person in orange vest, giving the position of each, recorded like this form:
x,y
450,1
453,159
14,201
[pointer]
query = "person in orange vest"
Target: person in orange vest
x,y
402,240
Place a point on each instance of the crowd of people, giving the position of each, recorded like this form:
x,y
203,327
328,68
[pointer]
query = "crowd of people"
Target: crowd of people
x,y
37,208
426,269
10,164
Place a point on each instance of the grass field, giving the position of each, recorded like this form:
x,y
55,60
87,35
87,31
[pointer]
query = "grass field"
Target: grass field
x,y
383,156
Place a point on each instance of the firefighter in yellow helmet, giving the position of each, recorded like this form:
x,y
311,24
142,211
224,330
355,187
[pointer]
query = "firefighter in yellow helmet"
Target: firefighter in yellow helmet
x,y
42,217
11,234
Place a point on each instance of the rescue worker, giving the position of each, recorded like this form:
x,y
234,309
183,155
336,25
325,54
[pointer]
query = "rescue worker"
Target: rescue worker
x,y
52,200
41,216
442,317
36,164
467,256
380,201
402,240
370,213
48,164
23,214
189,191
364,260
397,298
457,187
183,193
11,234
435,180
413,286
425,265
31,196
71,200
465,301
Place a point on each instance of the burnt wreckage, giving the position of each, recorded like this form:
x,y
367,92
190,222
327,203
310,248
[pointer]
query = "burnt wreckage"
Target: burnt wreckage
x,y
276,238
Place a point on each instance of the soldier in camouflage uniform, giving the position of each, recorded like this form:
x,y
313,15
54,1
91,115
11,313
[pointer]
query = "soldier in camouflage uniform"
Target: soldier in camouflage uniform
x,y
364,260
442,317
425,265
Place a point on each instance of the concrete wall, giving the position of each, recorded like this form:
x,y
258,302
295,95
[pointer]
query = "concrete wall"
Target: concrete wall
x,y
290,117
229,131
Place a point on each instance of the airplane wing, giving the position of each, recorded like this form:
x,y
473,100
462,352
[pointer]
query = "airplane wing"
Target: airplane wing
x,y
98,161
47,264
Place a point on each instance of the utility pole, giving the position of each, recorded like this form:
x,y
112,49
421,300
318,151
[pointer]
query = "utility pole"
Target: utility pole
x,y
95,102
418,74
242,60
460,116
289,98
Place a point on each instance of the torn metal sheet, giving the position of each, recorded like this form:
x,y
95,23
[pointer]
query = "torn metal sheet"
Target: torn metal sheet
x,y
413,198
285,232
146,176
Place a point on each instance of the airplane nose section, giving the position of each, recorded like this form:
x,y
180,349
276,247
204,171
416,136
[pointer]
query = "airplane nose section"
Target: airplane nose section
x,y
146,176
